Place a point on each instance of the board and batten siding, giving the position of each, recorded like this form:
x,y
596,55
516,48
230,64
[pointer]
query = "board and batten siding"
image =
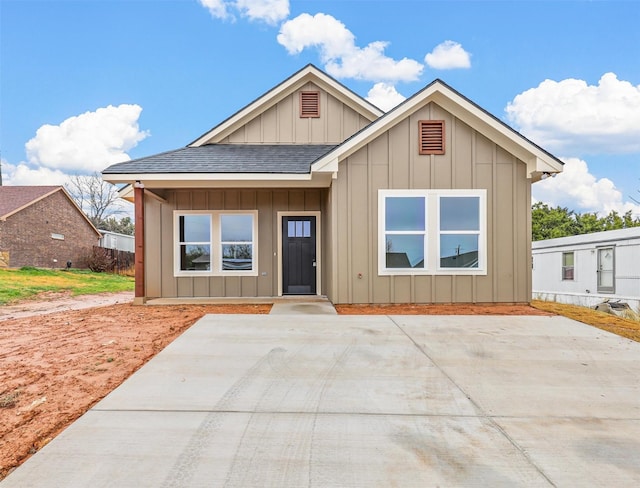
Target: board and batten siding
x,y
282,124
391,161
159,236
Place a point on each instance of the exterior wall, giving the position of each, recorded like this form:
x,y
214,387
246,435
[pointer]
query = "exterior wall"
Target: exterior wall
x,y
159,264
583,289
115,240
281,124
391,161
26,235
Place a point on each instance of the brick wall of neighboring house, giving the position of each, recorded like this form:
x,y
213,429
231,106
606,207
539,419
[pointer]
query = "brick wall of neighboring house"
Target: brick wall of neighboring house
x,y
50,229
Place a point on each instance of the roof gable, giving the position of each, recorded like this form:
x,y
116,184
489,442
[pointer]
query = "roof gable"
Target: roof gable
x,y
13,199
538,160
308,74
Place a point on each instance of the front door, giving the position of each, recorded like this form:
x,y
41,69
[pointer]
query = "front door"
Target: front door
x,y
606,270
299,255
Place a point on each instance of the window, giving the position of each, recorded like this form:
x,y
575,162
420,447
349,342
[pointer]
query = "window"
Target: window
x,y
405,232
236,231
215,243
459,218
194,242
432,232
431,136
567,266
309,104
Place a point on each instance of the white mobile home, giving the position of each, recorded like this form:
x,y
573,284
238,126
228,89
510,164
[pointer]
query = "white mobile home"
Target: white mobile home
x,y
588,269
114,240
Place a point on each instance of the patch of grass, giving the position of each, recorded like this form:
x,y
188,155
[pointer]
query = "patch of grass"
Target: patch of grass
x,y
611,323
27,282
9,400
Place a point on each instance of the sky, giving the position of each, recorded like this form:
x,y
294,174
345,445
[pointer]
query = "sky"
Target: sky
x,y
88,83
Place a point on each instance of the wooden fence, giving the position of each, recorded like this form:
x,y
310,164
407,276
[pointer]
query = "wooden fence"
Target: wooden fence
x,y
122,262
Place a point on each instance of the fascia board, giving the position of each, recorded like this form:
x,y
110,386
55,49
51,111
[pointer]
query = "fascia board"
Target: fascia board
x,y
281,91
223,180
535,158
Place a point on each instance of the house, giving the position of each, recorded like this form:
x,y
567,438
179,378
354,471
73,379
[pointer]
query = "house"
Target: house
x,y
589,269
42,226
312,190
115,240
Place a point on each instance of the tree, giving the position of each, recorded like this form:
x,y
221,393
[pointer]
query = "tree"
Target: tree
x,y
549,223
123,226
97,198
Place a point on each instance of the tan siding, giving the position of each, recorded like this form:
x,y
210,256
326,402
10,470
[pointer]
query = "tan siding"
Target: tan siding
x,y
153,233
282,124
159,232
392,161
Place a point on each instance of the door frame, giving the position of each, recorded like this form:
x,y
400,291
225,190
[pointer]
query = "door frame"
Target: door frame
x,y
291,213
612,288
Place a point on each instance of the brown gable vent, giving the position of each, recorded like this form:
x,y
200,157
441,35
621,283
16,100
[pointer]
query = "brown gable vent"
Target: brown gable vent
x,y
309,104
431,136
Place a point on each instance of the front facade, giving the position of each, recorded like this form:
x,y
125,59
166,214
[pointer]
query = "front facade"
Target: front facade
x,y
41,226
589,269
312,190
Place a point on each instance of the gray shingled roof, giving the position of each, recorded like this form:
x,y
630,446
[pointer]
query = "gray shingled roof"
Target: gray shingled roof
x,y
228,158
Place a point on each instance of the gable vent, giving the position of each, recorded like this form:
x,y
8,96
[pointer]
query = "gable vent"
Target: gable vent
x,y
309,104
431,136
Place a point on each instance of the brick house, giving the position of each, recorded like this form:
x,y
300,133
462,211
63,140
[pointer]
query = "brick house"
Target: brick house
x,y
42,226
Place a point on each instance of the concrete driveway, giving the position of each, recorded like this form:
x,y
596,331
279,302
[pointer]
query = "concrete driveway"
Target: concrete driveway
x,y
363,401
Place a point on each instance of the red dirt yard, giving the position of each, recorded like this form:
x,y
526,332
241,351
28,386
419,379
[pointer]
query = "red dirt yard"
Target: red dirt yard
x,y
54,367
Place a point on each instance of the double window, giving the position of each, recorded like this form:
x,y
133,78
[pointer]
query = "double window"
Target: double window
x,y
432,232
215,243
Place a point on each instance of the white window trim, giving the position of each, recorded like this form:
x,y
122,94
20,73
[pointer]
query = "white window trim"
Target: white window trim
x,y
432,232
215,243
562,266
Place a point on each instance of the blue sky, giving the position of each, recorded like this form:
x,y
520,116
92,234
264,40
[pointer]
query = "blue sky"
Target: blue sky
x,y
87,83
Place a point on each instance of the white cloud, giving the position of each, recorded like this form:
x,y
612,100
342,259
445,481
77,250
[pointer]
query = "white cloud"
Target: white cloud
x,y
23,174
572,117
385,96
448,55
217,8
342,58
87,142
269,11
579,190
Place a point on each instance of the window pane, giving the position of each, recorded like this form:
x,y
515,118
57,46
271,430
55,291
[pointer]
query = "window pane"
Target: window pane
x,y
306,232
405,251
195,228
195,258
459,213
292,228
298,228
237,228
404,213
567,259
237,257
459,251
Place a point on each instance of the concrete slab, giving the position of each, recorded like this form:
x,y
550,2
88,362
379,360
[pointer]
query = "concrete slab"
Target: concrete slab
x,y
320,400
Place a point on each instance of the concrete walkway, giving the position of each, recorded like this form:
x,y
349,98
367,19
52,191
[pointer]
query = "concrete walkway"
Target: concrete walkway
x,y
363,401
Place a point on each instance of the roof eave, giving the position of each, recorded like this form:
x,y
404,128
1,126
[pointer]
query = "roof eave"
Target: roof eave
x,y
281,91
538,161
219,180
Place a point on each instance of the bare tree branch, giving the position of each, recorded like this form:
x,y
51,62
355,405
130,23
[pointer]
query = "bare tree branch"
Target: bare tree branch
x,y
97,198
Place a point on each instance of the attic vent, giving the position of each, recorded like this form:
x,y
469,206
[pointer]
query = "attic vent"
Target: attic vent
x,y
431,136
309,104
